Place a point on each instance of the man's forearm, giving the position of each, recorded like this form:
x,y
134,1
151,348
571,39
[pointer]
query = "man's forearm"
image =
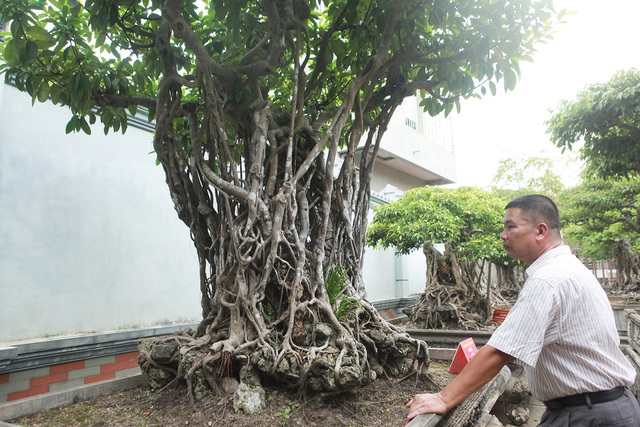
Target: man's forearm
x,y
481,369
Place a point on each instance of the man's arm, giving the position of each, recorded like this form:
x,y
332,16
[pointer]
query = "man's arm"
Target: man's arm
x,y
481,369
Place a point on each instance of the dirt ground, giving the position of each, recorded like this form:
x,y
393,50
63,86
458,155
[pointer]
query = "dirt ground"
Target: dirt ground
x,y
378,404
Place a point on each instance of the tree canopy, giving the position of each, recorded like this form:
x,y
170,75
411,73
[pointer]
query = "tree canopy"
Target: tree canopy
x,y
519,176
605,118
106,55
600,218
468,218
251,102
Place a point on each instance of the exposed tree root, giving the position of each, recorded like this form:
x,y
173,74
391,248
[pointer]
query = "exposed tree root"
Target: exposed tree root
x,y
319,360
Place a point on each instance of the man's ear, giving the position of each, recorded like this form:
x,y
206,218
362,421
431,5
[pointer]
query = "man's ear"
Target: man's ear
x,y
541,230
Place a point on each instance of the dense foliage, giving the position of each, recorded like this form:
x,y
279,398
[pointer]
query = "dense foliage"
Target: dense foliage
x,y
604,121
601,220
467,218
600,215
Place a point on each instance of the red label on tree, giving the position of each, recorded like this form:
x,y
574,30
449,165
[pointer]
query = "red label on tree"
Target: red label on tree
x,y
499,315
466,350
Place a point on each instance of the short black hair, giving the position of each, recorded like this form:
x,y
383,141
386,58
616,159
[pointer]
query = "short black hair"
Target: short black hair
x,y
541,208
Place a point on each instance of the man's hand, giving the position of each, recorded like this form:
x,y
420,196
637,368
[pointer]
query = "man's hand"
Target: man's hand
x,y
482,367
426,404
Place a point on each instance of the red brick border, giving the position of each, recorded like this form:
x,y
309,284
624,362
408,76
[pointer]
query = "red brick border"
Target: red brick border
x,y
60,374
66,367
17,395
108,371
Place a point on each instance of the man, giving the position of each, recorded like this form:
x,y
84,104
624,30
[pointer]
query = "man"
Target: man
x,y
561,329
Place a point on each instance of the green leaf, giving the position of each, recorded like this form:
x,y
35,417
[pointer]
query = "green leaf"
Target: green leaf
x,y
43,92
10,53
16,30
510,79
30,52
55,95
71,125
42,38
102,35
85,126
447,109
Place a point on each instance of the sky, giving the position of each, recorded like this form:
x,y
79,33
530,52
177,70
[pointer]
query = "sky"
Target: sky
x,y
601,38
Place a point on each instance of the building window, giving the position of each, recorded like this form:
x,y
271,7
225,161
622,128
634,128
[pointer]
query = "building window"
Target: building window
x,y
410,112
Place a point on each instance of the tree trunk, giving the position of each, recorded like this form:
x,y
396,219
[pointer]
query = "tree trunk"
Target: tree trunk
x,y
271,225
451,299
627,267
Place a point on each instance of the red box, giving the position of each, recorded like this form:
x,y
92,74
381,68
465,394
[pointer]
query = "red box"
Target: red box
x,y
466,350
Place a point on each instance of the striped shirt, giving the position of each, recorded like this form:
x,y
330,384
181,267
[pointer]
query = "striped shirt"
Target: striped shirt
x,y
563,331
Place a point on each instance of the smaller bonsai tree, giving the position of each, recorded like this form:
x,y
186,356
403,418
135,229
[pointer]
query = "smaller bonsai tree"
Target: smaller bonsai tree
x,y
467,222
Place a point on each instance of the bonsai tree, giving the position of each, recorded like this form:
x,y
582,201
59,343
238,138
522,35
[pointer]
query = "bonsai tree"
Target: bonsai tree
x,y
251,101
467,221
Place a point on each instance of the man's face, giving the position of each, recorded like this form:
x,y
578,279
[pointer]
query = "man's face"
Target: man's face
x,y
519,236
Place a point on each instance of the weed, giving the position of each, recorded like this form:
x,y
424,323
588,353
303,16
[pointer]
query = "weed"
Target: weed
x,y
286,413
336,286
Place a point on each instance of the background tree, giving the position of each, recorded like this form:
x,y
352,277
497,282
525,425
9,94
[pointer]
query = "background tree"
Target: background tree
x,y
605,117
519,176
601,220
467,221
251,101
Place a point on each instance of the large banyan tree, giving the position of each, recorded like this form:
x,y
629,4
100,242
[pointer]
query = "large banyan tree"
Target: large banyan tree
x,y
253,101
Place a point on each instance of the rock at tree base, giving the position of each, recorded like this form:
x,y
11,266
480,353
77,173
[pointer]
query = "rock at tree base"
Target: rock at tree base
x,y
248,399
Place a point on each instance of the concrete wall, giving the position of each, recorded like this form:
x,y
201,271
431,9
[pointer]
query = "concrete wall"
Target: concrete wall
x,y
89,240
384,175
422,146
387,276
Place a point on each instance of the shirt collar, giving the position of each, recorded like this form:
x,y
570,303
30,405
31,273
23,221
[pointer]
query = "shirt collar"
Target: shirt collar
x,y
542,259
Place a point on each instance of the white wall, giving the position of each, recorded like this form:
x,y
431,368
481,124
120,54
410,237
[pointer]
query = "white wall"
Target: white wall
x,y
379,274
416,273
419,148
387,276
384,175
89,240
